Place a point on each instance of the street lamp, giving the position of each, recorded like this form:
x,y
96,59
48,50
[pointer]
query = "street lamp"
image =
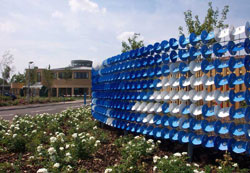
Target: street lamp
x,y
28,92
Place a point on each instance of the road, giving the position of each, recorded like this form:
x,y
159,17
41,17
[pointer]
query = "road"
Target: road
x,y
8,113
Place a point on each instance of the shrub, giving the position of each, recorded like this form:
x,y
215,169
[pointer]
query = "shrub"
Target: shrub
x,y
133,152
175,163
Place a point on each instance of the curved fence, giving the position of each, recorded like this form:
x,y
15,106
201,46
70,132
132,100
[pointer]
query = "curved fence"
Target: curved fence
x,y
194,90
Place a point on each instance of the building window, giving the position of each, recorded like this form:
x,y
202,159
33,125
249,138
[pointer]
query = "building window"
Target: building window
x,y
81,91
65,75
38,76
81,75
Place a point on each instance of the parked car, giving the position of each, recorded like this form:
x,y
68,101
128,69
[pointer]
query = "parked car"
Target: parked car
x,y
10,95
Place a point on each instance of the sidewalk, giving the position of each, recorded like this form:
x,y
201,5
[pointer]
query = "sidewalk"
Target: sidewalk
x,y
6,108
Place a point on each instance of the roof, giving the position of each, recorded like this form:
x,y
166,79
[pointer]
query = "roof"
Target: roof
x,y
73,68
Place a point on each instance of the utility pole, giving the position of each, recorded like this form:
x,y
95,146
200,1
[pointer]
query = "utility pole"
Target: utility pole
x,y
28,92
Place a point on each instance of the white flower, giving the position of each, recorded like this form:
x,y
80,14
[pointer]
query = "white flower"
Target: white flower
x,y
184,153
94,127
39,148
158,141
31,157
51,150
155,158
235,165
154,168
108,170
188,165
219,167
92,137
52,139
56,165
67,146
150,141
196,171
165,157
42,170
195,164
14,135
61,148
68,154
177,154
137,137
34,131
69,168
74,135
148,150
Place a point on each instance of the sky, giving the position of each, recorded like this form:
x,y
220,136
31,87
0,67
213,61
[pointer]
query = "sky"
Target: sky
x,y
54,32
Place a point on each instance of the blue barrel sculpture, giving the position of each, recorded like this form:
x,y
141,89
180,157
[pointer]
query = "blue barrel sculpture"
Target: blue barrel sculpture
x,y
195,90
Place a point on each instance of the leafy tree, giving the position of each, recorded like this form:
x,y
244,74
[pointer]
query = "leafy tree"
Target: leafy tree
x,y
132,43
1,82
48,79
31,74
67,74
5,66
18,78
6,73
210,22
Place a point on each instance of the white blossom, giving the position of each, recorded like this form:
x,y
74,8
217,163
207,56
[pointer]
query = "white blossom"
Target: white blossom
x,y
61,148
154,168
14,135
195,164
56,165
165,157
39,148
74,135
177,154
137,137
108,170
155,158
42,170
51,150
184,153
196,171
235,165
52,139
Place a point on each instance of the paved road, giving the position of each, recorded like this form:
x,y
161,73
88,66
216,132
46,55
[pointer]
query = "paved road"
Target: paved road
x,y
8,113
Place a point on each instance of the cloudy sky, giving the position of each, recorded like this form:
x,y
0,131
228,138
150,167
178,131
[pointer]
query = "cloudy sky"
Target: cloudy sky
x,y
56,31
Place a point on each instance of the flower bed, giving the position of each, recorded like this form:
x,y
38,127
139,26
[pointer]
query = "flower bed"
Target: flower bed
x,y
71,141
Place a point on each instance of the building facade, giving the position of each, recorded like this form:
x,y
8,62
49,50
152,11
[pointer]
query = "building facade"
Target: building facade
x,y
74,80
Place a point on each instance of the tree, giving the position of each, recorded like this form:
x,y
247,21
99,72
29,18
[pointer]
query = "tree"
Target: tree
x,y
67,73
210,22
18,78
48,79
5,67
132,43
31,74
